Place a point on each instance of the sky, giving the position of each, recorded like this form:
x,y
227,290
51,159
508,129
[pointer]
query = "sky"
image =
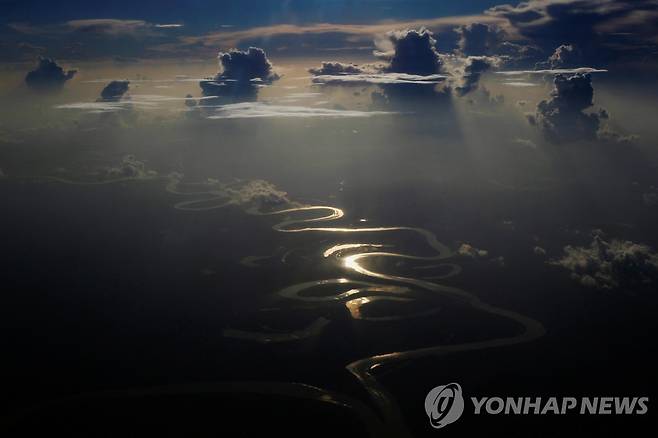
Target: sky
x,y
604,30
203,15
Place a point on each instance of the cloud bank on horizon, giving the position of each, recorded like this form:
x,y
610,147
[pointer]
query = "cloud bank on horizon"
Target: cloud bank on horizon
x,y
557,33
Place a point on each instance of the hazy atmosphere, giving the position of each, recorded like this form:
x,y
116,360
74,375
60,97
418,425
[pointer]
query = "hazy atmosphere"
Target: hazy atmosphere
x,y
300,217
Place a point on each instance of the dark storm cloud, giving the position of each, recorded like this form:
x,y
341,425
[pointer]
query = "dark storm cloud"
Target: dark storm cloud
x,y
605,30
561,117
246,65
240,75
114,91
48,75
479,39
610,264
412,51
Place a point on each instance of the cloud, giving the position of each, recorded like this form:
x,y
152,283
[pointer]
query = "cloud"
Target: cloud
x,y
348,35
336,68
525,142
95,107
613,264
250,110
564,56
553,71
246,65
241,72
130,167
519,55
169,26
142,101
108,26
254,196
474,67
93,38
410,58
595,26
257,195
411,51
412,69
48,75
479,39
563,116
378,79
114,91
466,250
519,84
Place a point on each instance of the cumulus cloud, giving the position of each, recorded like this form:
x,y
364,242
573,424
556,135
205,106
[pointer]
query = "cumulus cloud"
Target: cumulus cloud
x,y
130,167
474,67
48,75
563,116
466,250
246,65
241,72
114,91
410,59
479,39
613,264
410,51
258,195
